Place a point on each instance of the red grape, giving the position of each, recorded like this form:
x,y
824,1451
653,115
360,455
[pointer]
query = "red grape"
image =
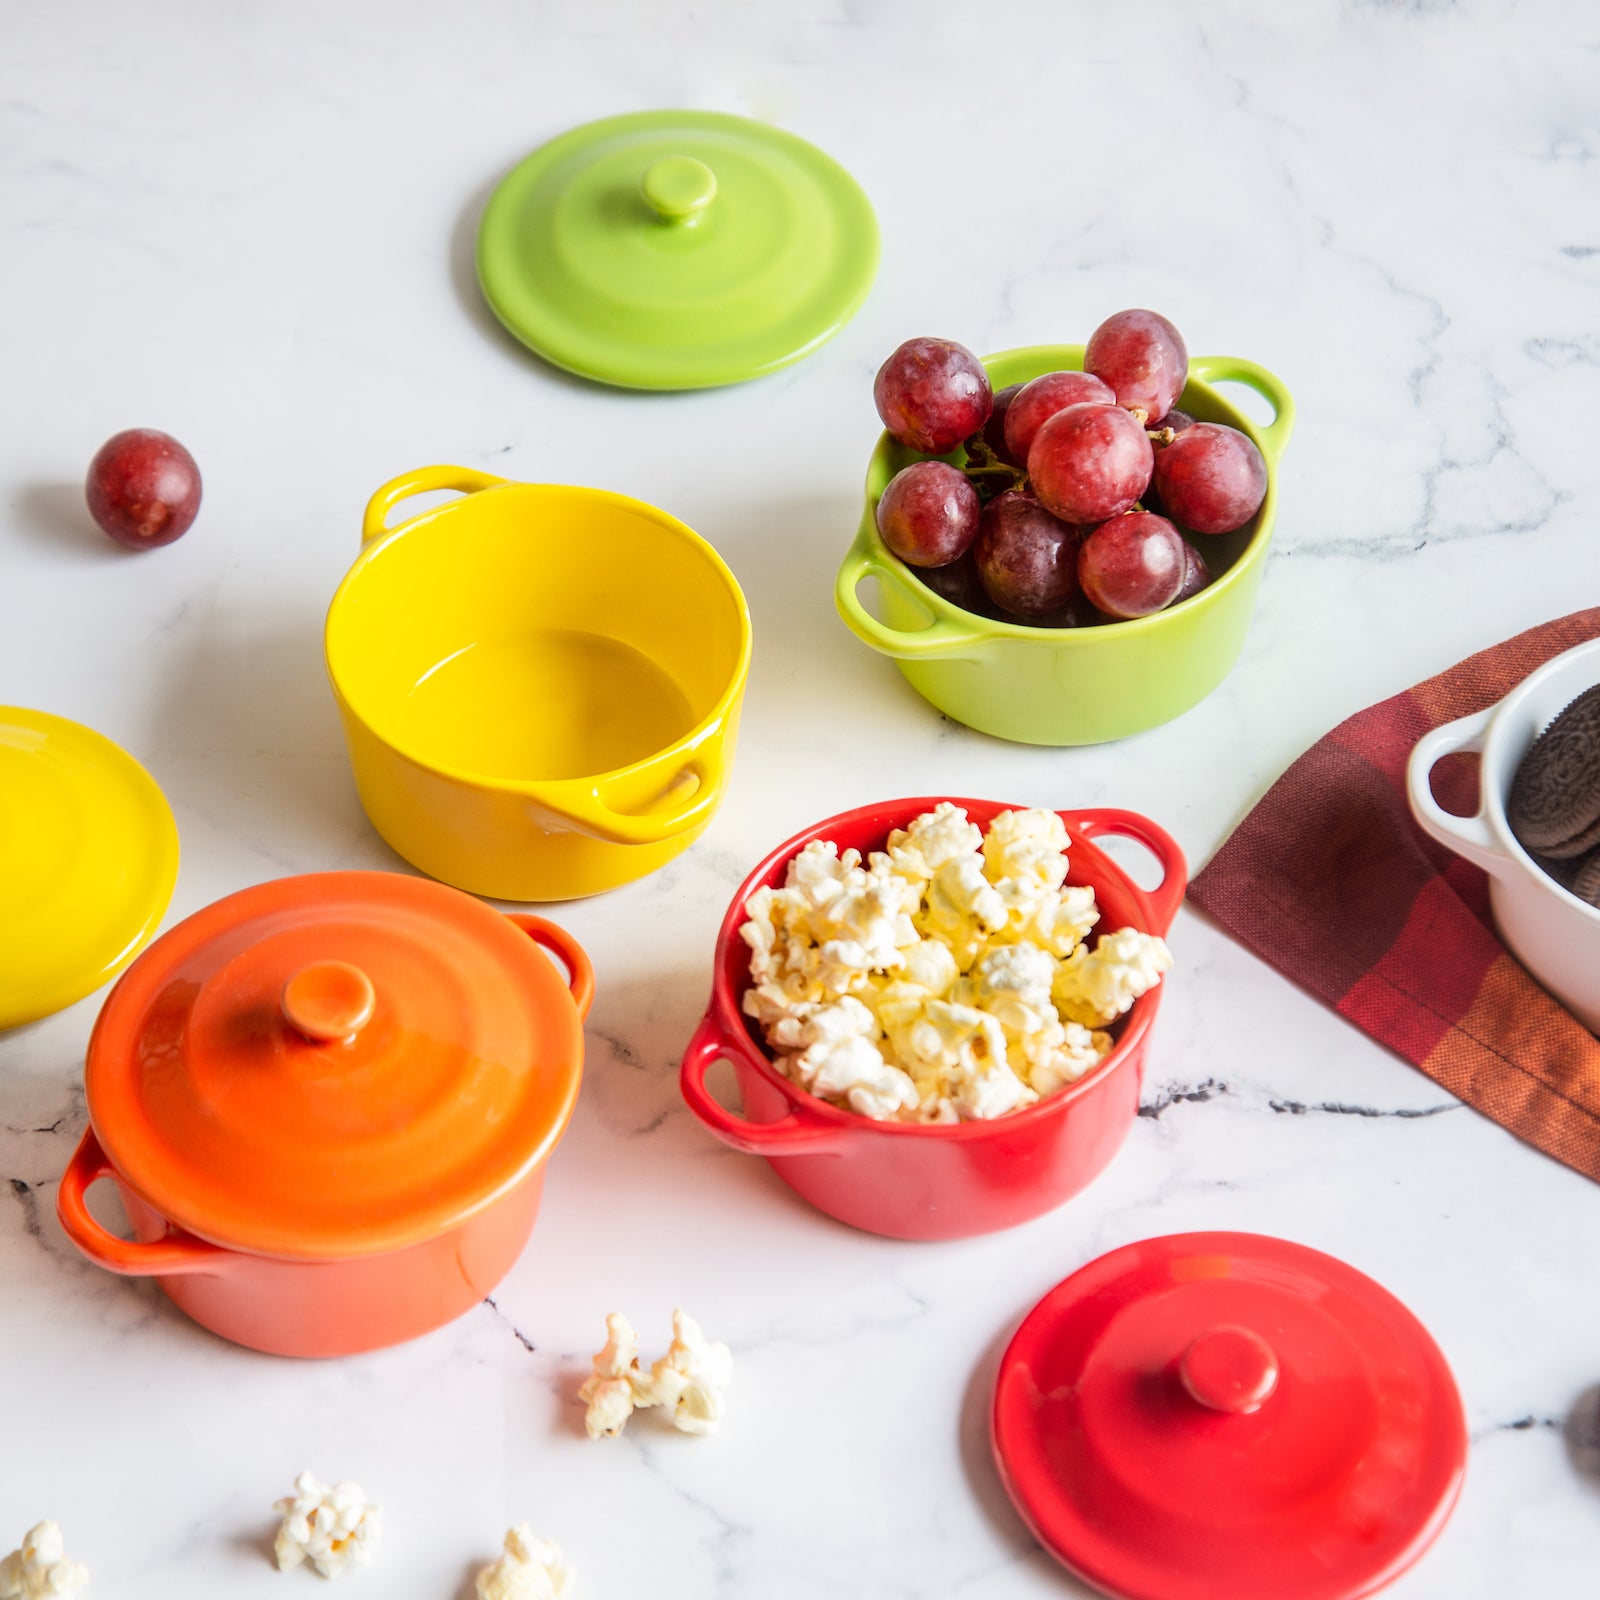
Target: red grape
x,y
1132,565
994,430
932,394
1045,396
1090,462
1027,560
143,488
1142,356
1176,420
958,583
1211,478
929,514
1196,574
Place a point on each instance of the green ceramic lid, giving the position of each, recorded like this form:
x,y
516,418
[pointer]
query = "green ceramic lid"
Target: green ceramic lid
x,y
676,249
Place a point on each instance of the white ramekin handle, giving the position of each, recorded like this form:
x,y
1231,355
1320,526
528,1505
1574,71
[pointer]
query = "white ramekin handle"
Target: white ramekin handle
x,y
1466,836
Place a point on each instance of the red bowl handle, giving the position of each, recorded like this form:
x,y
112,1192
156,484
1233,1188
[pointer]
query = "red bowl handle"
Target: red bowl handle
x,y
1167,896
793,1135
567,950
177,1253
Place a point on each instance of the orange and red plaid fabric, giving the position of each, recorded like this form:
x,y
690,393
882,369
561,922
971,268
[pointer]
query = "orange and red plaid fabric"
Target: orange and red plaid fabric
x,y
1331,881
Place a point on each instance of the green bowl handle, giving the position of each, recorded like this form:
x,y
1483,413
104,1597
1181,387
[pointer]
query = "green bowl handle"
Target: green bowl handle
x,y
1235,369
423,481
941,638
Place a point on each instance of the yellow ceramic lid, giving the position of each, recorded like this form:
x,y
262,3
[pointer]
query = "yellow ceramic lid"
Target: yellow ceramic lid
x,y
88,858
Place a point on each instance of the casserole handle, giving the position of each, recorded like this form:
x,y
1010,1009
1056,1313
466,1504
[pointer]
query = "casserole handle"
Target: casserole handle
x,y
177,1253
1271,388
1167,896
940,640
788,1136
424,480
1465,836
583,805
567,950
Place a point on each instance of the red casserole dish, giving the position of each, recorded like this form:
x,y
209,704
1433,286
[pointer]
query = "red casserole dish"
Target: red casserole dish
x,y
915,1181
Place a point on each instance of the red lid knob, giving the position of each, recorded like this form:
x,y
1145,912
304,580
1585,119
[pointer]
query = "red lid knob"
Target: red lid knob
x,y
1230,1369
328,1000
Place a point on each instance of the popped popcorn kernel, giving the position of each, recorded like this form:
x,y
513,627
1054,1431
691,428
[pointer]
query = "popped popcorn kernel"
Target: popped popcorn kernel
x,y
528,1569
1097,986
39,1569
618,1386
691,1377
333,1529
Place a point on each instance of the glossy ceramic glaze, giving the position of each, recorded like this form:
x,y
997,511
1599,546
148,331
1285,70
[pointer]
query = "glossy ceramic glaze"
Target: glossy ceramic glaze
x,y
1225,1416
676,249
540,685
88,858
1555,935
327,1103
1066,686
933,1182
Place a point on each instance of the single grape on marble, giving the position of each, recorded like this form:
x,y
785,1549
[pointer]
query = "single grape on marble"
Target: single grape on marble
x,y
143,488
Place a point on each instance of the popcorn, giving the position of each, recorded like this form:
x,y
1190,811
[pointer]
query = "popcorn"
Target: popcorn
x,y
1025,853
618,1385
691,1376
39,1570
962,908
959,1056
929,965
933,839
1097,986
1057,1059
947,978
836,1057
529,1569
331,1528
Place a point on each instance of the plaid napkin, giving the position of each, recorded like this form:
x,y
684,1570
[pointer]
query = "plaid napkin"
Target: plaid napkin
x,y
1331,881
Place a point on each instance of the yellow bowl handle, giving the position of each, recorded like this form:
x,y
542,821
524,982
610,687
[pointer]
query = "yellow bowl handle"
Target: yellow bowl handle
x,y
582,805
1271,388
422,481
941,638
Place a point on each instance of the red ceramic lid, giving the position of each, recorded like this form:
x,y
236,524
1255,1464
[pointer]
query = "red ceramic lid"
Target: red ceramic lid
x,y
337,1064
1224,1416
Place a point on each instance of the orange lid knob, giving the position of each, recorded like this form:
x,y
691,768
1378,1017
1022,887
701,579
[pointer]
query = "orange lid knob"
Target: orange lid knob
x,y
328,1000
1230,1369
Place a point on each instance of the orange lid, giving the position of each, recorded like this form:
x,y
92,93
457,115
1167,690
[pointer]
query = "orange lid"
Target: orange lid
x,y
337,1064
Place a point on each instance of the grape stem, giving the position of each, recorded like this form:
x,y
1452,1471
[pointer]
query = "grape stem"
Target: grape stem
x,y
1161,435
987,473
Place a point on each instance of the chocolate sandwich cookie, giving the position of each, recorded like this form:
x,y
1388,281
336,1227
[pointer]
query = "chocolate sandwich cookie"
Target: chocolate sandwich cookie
x,y
1554,808
1586,880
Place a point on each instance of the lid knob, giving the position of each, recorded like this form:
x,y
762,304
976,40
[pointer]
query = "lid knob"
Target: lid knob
x,y
678,188
1230,1369
328,1000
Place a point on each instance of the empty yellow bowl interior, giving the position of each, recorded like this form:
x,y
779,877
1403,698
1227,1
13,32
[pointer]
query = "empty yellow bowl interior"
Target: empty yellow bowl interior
x,y
537,632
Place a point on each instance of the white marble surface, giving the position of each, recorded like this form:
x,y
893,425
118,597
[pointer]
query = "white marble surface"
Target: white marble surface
x,y
252,227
